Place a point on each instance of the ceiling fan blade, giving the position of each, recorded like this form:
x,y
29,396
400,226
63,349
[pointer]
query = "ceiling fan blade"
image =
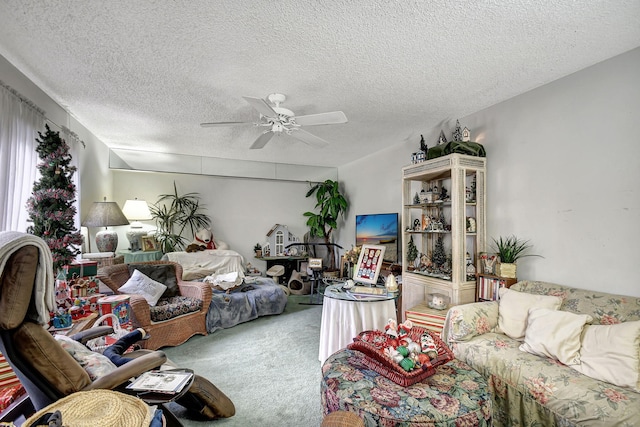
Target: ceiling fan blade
x,y
216,124
262,140
332,118
261,105
308,138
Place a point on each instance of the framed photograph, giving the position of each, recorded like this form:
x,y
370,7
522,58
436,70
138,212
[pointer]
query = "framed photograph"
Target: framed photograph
x,y
315,263
488,263
149,244
369,264
344,267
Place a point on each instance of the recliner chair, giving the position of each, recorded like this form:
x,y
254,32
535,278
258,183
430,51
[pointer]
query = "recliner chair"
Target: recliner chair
x,y
44,368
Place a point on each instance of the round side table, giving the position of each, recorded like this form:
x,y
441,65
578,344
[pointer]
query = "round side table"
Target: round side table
x,y
344,317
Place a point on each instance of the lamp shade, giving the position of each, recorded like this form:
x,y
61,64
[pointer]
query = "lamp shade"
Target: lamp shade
x,y
136,210
105,214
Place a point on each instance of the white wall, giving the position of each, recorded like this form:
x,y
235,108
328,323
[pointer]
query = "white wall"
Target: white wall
x,y
563,170
242,210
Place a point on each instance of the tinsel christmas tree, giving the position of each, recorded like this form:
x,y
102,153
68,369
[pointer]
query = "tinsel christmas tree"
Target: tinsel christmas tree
x,y
439,257
412,251
51,206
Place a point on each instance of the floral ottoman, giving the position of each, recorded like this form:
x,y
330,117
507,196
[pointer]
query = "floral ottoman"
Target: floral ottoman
x,y
455,395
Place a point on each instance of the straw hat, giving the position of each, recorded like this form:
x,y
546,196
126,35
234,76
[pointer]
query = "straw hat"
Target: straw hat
x,y
98,407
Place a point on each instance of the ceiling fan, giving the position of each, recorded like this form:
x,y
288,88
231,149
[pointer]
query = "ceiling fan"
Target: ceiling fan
x,y
280,120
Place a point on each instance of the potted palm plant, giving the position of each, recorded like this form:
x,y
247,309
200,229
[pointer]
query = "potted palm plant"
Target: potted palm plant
x,y
174,214
331,204
510,249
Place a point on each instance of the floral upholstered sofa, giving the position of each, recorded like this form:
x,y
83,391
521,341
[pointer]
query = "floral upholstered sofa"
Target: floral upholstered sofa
x,y
596,336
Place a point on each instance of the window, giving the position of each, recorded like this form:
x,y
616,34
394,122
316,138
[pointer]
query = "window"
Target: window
x,y
279,242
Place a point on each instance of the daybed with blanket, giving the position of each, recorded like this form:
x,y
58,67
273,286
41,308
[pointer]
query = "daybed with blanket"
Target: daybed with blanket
x,y
553,355
197,265
255,297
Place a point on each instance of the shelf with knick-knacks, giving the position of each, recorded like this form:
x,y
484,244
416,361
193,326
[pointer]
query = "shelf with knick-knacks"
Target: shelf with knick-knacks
x,y
444,213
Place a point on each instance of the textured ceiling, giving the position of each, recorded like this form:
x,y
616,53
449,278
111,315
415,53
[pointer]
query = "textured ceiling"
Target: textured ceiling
x,y
144,74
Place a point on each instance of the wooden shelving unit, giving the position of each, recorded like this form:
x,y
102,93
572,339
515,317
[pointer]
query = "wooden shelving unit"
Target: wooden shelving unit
x,y
464,178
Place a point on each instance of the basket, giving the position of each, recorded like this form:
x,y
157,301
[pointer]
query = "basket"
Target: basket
x,y
101,343
373,343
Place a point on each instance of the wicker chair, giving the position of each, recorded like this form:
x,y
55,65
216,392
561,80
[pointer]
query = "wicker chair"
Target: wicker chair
x,y
170,332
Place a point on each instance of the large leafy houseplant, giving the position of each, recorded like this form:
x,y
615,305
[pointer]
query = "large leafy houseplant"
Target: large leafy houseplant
x,y
330,205
174,214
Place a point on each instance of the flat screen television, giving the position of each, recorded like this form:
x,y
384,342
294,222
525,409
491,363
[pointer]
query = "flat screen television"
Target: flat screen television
x,y
379,229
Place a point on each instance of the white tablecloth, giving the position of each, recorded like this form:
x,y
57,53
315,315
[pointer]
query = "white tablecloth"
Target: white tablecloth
x,y
342,320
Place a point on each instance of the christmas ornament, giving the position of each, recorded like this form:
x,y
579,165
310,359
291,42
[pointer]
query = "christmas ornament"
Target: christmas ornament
x,y
403,350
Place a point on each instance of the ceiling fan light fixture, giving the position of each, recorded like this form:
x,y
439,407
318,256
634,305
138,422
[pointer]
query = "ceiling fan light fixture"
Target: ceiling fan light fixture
x,y
282,120
277,98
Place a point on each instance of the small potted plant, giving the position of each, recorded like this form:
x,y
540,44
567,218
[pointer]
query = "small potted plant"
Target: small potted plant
x,y
510,249
258,250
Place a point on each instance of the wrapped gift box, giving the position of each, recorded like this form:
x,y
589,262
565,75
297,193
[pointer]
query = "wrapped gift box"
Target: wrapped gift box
x,y
83,286
90,302
93,287
82,268
10,387
117,305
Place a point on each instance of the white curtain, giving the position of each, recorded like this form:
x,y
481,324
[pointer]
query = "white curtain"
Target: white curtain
x,y
74,143
20,121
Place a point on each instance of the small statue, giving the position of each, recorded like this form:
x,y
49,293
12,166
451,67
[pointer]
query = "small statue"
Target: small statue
x,y
443,194
442,139
423,145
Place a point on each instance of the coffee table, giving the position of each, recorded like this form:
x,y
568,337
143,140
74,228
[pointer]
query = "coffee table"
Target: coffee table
x,y
456,395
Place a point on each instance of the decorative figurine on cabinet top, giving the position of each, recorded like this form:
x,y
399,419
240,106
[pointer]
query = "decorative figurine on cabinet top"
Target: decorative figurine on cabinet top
x,y
442,139
421,154
466,135
461,143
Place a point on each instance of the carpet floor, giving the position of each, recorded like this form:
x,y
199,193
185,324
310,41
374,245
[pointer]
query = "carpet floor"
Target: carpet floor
x,y
268,367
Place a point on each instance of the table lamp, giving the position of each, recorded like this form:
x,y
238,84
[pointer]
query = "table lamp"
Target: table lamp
x,y
136,211
105,214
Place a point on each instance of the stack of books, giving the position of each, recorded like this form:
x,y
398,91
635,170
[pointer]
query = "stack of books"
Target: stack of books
x,y
429,318
488,286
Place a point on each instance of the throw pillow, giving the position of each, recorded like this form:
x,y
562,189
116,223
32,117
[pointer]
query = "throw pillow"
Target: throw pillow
x,y
513,310
163,273
555,334
464,323
141,284
611,353
95,364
